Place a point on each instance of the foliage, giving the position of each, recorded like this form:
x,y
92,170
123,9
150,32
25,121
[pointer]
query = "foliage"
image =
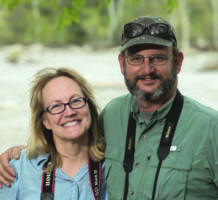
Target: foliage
x,y
171,5
71,14
62,22
11,4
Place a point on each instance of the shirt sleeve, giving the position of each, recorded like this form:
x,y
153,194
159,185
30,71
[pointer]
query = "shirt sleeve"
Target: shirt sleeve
x,y
103,191
213,154
10,192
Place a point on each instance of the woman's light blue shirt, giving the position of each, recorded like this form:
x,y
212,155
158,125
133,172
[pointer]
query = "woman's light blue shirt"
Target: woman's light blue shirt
x,y
29,178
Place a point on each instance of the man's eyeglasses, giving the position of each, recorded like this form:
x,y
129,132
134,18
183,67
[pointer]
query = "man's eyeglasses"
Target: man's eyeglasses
x,y
154,59
132,30
58,108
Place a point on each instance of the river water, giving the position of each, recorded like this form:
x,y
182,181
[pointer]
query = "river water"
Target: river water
x,y
100,68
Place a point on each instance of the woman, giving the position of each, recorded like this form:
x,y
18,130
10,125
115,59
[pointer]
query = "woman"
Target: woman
x,y
65,149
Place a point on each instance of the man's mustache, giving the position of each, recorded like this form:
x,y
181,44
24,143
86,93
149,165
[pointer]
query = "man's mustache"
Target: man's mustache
x,y
151,76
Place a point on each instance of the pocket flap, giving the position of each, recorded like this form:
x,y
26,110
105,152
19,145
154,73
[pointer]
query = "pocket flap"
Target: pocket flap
x,y
180,162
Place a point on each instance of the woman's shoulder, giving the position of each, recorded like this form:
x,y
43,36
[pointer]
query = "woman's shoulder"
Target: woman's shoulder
x,y
23,162
21,159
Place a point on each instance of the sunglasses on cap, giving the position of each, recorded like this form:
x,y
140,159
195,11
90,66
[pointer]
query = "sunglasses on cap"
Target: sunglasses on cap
x,y
132,30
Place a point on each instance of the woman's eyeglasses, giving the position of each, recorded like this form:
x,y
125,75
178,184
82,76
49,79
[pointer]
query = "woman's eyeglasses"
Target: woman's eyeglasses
x,y
75,103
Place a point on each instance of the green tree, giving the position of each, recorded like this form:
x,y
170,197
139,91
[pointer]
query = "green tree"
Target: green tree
x,y
69,9
100,22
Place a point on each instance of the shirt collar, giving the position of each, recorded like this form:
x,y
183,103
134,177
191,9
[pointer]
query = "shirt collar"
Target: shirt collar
x,y
41,159
162,112
158,114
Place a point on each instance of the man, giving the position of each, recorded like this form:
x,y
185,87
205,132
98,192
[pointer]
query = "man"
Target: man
x,y
150,62
160,144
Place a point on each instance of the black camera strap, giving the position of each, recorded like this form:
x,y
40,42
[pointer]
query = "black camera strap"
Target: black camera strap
x,y
129,152
95,177
48,180
164,146
167,134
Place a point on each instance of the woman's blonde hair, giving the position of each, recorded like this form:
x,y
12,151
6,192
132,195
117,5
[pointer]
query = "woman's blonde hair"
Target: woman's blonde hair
x,y
41,139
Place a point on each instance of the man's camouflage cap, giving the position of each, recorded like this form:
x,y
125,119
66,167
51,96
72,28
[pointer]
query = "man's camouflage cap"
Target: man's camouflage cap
x,y
146,38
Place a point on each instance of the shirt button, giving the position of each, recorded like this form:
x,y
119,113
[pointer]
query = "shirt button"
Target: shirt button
x,y
131,192
137,165
161,121
143,136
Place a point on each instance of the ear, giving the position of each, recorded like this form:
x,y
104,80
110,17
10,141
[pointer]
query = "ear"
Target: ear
x,y
179,60
46,122
120,58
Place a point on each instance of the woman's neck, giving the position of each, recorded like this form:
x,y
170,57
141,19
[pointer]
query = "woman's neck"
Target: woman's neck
x,y
73,156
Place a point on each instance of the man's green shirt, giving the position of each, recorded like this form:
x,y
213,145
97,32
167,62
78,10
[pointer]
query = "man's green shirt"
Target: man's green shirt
x,y
190,171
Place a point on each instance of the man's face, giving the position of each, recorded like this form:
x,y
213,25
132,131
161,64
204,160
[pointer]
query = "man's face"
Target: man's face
x,y
147,81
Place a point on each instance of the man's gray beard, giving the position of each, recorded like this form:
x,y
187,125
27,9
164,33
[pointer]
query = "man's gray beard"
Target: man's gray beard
x,y
163,88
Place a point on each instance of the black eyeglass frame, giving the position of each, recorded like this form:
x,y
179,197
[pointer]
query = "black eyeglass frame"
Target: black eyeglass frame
x,y
85,100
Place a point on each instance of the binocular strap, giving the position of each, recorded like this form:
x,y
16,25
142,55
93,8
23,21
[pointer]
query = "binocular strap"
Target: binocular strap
x,y
164,146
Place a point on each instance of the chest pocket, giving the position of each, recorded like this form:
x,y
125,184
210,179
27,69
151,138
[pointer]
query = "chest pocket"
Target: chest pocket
x,y
173,176
115,174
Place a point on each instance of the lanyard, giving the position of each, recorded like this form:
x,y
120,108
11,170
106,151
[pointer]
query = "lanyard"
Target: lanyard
x,y
48,180
95,177
164,146
129,152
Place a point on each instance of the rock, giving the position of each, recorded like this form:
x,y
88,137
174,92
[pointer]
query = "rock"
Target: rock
x,y
14,53
209,63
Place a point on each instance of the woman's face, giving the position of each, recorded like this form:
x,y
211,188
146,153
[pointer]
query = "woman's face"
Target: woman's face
x,y
71,124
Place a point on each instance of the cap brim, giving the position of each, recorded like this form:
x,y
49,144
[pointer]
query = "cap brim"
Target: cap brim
x,y
146,39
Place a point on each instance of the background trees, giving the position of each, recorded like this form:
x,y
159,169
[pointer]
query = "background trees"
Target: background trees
x,y
99,23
